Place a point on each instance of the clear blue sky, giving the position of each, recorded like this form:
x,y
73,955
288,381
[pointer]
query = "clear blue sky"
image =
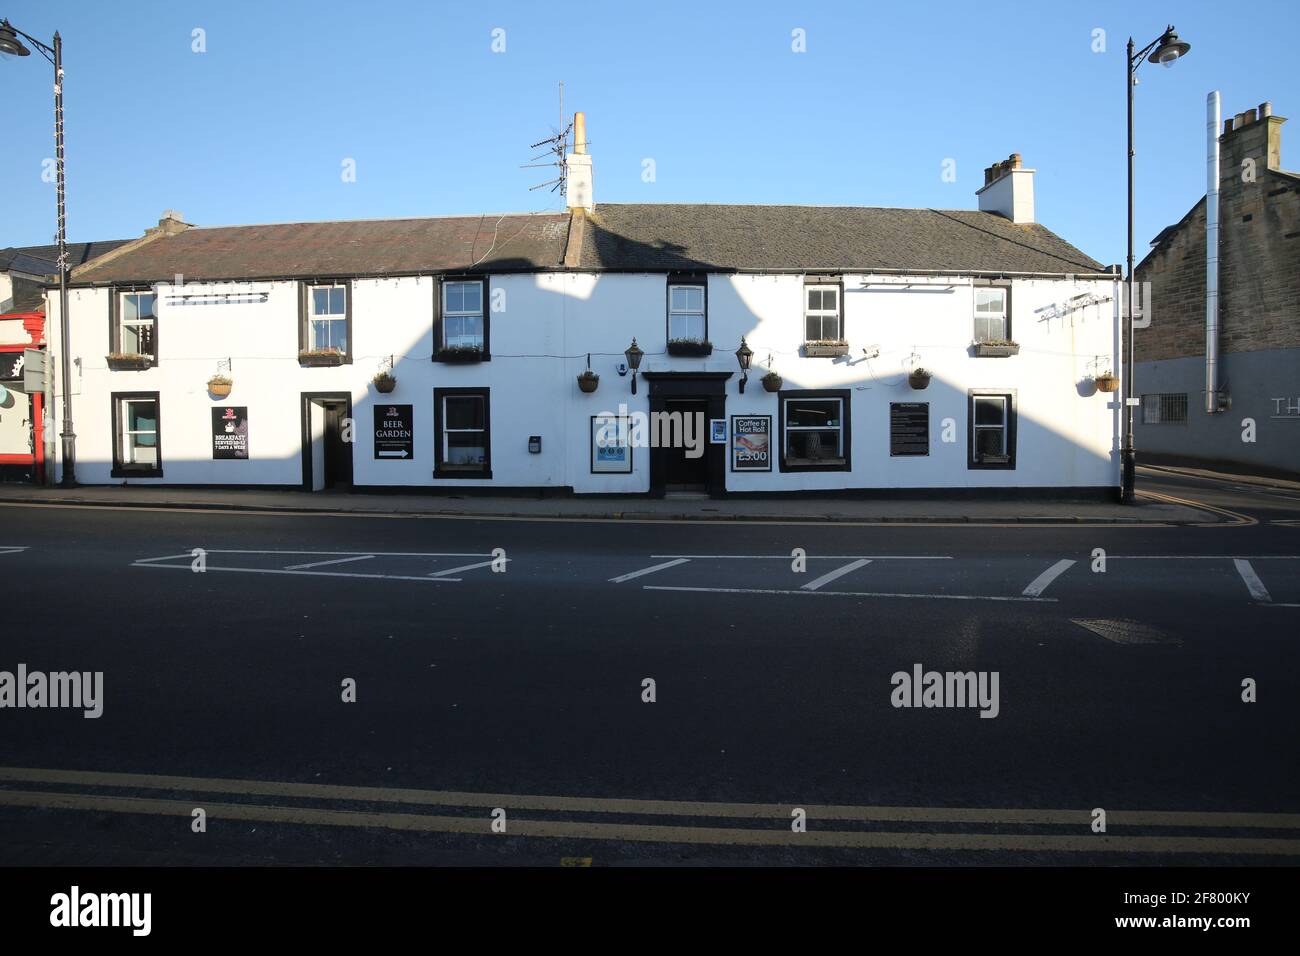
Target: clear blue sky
x,y
256,129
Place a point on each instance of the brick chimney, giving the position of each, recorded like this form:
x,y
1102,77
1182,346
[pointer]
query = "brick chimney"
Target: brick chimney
x,y
170,224
1254,134
578,166
1008,190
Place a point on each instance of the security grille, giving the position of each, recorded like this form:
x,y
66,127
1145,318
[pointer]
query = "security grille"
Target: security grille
x,y
1168,408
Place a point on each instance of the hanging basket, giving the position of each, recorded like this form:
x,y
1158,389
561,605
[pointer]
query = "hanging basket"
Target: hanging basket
x,y
385,382
587,381
219,386
1107,383
773,382
918,378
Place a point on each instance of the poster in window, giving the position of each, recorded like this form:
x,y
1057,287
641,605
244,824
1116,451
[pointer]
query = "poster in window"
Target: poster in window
x,y
909,428
230,432
611,449
751,443
394,432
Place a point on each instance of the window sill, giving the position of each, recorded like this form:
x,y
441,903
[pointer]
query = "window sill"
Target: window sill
x,y
460,356
987,350
441,473
686,347
822,350
322,359
130,363
820,464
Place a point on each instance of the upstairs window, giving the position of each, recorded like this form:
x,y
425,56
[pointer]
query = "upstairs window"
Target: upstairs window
x,y
327,318
136,329
821,317
462,315
687,318
991,315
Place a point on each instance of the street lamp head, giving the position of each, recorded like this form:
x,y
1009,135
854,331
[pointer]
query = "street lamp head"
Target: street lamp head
x,y
9,42
744,354
1170,49
633,355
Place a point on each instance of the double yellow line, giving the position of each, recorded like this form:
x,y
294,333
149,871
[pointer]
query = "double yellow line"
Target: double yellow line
x,y
276,808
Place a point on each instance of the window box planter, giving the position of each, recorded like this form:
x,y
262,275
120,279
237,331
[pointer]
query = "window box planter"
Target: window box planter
x,y
316,358
587,381
995,349
128,361
918,378
1107,383
693,347
773,382
384,382
825,349
219,386
459,354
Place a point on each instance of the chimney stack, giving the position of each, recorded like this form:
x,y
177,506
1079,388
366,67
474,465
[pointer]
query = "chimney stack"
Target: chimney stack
x,y
578,169
170,224
1008,190
1254,134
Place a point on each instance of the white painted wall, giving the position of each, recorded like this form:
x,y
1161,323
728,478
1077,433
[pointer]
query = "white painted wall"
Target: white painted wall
x,y
541,331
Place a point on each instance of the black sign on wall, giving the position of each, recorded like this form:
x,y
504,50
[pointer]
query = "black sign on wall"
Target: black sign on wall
x,y
909,428
230,432
394,432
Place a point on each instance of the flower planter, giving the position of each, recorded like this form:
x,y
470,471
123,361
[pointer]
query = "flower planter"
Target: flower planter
x,y
321,358
220,388
773,382
918,378
127,361
1107,383
588,381
384,383
459,355
692,347
996,349
825,349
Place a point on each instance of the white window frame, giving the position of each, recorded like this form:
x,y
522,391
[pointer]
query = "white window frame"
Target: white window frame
x,y
823,314
687,314
1002,315
330,318
451,314
127,433
137,323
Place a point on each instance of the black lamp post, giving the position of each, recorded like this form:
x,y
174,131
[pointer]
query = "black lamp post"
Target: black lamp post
x,y
1164,50
744,355
12,45
634,354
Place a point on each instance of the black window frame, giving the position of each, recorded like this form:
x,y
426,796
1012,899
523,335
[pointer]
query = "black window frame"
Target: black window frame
x,y
838,283
439,343
845,396
696,279
120,468
1005,286
304,312
439,468
115,318
972,463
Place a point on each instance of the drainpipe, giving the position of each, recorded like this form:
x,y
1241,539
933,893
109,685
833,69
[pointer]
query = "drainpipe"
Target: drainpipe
x,y
1212,253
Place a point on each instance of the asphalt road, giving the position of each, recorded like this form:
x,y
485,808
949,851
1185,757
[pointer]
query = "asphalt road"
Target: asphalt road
x,y
523,689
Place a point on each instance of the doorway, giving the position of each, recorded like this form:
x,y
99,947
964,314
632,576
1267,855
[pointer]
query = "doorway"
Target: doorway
x,y
702,397
684,474
327,441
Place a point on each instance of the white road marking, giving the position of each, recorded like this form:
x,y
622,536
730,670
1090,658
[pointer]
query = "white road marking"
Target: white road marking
x,y
810,557
464,567
1253,584
13,549
650,570
1039,584
309,574
165,557
1203,557
380,554
318,564
862,594
830,576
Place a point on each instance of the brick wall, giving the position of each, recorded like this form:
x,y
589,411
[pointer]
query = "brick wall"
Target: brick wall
x,y
1259,257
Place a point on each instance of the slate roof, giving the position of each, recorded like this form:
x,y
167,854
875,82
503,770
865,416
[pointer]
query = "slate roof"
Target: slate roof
x,y
833,238
616,237
375,247
44,260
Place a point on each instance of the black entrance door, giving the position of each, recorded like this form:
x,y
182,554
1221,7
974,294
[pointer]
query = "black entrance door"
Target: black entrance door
x,y
338,463
683,472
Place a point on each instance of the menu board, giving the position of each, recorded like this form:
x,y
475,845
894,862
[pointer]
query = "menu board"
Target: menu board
x,y
230,432
909,428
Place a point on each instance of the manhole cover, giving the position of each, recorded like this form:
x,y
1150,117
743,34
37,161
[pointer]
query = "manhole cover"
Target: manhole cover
x,y
1119,631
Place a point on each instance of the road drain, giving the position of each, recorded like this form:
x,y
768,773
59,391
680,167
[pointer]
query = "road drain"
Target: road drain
x,y
1119,631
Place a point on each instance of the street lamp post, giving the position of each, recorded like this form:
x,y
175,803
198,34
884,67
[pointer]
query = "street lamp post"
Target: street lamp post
x,y
1164,50
12,45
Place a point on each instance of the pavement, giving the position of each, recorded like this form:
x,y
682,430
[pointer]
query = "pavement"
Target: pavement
x,y
501,664
632,508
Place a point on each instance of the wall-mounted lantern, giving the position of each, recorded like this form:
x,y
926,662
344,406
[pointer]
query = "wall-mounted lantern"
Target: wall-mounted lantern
x,y
634,353
744,355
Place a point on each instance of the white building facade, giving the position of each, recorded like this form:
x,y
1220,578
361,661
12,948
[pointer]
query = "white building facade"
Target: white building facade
x,y
973,372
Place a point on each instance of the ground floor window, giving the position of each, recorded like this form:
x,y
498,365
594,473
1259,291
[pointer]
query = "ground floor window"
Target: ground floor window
x,y
1164,409
992,427
815,430
462,432
137,447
